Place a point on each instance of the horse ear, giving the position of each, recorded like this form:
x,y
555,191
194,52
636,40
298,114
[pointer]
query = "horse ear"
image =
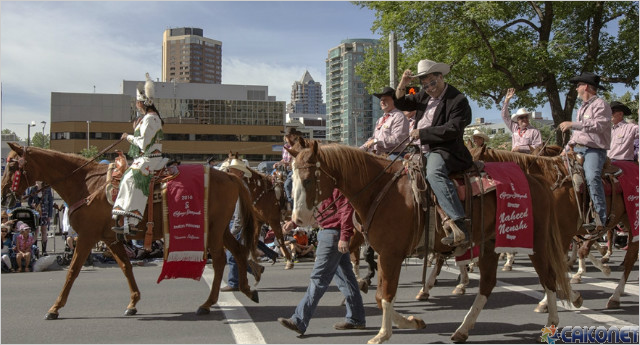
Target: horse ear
x,y
315,147
17,148
292,151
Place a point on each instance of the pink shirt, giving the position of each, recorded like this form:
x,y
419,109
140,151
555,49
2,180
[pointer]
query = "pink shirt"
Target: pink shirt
x,y
429,114
24,244
390,132
622,136
521,139
592,127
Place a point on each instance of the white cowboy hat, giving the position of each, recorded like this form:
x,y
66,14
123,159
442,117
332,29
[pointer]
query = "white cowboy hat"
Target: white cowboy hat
x,y
427,67
482,135
520,112
240,165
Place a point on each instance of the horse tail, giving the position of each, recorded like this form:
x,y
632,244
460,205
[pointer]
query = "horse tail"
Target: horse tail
x,y
249,221
558,264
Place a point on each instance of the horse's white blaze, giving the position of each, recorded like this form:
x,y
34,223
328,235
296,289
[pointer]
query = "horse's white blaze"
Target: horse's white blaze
x,y
302,214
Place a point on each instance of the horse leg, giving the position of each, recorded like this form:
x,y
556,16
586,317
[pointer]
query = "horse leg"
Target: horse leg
x,y
573,253
553,318
388,276
488,263
82,250
629,260
461,288
240,255
277,231
577,277
508,266
604,268
423,295
369,257
607,255
121,257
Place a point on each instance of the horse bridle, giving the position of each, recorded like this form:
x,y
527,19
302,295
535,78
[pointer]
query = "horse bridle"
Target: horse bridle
x,y
15,181
316,201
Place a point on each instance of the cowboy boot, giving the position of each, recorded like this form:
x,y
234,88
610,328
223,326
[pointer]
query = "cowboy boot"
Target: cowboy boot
x,y
458,234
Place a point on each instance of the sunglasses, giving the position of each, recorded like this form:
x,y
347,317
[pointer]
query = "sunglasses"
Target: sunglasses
x,y
429,84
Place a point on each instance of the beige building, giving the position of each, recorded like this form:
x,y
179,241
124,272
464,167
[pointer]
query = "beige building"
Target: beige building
x,y
201,120
189,57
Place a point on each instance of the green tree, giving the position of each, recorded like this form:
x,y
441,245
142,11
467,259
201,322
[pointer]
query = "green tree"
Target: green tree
x,y
534,47
40,140
628,100
8,131
91,152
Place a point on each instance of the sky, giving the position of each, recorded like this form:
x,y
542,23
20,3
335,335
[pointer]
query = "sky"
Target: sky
x,y
88,46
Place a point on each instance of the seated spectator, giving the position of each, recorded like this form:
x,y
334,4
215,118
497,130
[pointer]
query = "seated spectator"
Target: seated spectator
x,y
301,246
7,245
22,247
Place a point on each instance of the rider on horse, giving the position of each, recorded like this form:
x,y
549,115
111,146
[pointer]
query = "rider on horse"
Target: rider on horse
x,y
391,129
147,152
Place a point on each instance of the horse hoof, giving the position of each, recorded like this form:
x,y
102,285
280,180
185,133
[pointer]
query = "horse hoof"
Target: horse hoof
x,y
130,311
255,297
289,265
54,316
605,260
364,287
541,308
576,280
202,311
378,339
422,296
459,290
418,322
578,302
507,268
458,337
606,270
613,304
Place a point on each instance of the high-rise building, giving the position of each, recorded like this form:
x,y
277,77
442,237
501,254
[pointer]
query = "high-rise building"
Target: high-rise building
x,y
306,96
189,57
351,111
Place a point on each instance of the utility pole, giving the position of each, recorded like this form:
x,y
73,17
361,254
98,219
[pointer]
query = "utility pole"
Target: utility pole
x,y
393,59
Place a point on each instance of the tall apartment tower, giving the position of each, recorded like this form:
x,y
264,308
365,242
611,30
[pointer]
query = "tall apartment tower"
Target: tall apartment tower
x,y
351,111
306,97
189,57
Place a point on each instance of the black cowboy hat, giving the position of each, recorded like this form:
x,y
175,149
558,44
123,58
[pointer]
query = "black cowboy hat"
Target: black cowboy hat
x,y
589,78
291,131
387,91
617,105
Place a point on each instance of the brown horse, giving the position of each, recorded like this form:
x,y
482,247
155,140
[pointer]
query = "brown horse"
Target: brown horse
x,y
568,224
394,229
269,201
93,221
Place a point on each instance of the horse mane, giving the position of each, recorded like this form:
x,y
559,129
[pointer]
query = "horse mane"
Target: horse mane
x,y
71,160
543,164
347,159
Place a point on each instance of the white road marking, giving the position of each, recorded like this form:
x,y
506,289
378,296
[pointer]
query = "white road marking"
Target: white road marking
x,y
243,328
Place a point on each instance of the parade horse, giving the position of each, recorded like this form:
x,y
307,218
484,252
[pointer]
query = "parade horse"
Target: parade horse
x,y
395,228
569,222
269,201
92,221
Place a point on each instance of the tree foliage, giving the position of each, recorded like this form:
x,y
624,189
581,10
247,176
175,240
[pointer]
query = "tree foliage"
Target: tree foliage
x,y
40,140
91,152
8,131
534,47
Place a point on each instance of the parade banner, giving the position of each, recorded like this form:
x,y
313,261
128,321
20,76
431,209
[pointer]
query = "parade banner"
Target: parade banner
x,y
514,214
629,184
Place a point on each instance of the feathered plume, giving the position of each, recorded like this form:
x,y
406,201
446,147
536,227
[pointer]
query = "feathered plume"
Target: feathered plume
x,y
149,90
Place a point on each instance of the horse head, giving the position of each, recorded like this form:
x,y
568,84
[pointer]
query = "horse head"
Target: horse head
x,y
310,184
14,182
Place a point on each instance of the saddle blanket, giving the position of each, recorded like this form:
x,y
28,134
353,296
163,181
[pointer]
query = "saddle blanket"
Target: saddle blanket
x,y
185,223
514,214
629,183
471,254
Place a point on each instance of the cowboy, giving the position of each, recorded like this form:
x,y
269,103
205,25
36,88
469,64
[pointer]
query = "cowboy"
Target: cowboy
x,y
146,149
390,130
290,137
623,134
591,137
479,138
442,114
524,135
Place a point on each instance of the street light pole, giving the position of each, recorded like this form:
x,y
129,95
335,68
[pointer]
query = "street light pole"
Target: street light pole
x,y
44,123
88,122
32,124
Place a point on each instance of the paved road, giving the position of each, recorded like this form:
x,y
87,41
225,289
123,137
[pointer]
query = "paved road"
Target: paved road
x,y
166,313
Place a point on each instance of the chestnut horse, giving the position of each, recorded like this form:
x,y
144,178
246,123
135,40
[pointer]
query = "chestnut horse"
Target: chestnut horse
x,y
394,229
269,201
93,221
568,224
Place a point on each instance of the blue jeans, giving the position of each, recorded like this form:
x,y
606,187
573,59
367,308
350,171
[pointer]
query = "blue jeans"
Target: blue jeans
x,y
438,178
288,187
593,162
330,263
232,278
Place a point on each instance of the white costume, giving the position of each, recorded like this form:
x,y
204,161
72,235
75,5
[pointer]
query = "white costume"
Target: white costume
x,y
147,151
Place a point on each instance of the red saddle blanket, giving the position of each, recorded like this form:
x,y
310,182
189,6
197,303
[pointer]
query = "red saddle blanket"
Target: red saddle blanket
x,y
514,214
185,223
629,184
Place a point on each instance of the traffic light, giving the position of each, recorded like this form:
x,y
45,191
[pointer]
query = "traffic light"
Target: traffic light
x,y
412,90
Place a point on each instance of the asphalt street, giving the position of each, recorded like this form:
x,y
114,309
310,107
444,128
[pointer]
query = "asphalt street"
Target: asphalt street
x,y
94,312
